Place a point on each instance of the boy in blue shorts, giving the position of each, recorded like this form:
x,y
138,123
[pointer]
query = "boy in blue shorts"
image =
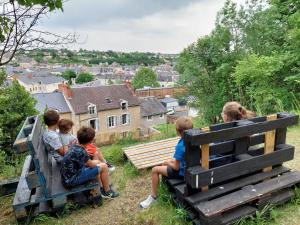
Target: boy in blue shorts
x,y
173,168
77,168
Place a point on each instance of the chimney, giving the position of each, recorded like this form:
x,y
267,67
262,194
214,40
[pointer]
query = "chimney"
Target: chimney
x,y
66,90
129,86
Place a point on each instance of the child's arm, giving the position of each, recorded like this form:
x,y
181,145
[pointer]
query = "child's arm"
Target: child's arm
x,y
92,163
174,164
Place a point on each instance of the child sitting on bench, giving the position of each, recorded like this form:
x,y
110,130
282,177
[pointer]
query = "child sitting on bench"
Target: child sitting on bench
x,y
51,138
235,111
67,139
77,168
173,168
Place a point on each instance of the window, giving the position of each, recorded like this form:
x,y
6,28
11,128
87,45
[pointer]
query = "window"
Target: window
x,y
92,109
124,105
161,116
111,121
94,124
149,118
125,119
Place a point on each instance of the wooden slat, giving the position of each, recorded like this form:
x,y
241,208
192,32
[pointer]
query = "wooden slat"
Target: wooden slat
x,y
150,154
22,196
247,194
239,168
155,143
146,149
234,185
195,137
156,160
269,140
205,156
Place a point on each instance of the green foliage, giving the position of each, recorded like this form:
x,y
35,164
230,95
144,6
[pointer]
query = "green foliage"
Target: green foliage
x,y
114,154
51,4
2,76
145,77
15,105
252,56
68,75
84,78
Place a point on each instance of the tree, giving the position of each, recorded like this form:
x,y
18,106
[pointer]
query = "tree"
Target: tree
x,y
145,77
84,78
251,56
15,105
68,75
18,27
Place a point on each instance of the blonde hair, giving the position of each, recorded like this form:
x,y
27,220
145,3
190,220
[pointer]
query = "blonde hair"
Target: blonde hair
x,y
182,124
235,111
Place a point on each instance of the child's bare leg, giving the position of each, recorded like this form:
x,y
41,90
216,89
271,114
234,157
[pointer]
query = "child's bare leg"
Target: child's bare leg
x,y
156,171
103,177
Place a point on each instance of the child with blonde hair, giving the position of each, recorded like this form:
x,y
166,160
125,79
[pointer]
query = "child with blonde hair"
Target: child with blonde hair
x,y
172,168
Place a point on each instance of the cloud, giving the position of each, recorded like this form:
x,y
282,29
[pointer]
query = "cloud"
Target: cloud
x,y
137,25
91,12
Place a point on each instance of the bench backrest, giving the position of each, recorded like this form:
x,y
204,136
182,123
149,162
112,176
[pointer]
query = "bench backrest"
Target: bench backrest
x,y
30,138
225,151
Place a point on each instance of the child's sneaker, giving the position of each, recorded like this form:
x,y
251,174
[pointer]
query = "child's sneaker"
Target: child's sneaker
x,y
110,194
146,203
111,168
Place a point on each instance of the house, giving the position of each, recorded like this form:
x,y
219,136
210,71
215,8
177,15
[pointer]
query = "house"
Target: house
x,y
55,101
113,111
170,103
40,82
152,112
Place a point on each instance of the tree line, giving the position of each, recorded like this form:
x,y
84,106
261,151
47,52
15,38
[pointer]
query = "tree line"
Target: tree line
x,y
251,56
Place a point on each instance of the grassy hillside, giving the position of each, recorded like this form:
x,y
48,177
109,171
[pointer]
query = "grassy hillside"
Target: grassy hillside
x,y
134,186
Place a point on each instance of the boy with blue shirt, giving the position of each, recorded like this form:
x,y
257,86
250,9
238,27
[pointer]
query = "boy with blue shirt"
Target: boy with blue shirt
x,y
173,168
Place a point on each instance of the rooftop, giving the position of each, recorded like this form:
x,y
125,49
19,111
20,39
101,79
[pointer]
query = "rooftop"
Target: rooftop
x,y
151,106
53,100
104,97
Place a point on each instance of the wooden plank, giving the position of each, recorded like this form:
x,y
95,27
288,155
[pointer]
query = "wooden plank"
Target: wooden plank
x,y
8,186
269,140
154,143
195,137
247,194
205,156
152,153
156,161
22,196
234,185
149,155
149,149
237,214
276,198
239,168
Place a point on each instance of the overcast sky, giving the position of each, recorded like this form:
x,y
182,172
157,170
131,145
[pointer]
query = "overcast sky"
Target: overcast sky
x,y
165,26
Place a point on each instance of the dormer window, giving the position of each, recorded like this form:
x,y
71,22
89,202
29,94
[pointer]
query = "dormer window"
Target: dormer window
x,y
92,109
108,100
124,105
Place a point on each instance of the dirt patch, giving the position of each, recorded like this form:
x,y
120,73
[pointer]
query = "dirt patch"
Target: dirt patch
x,y
114,212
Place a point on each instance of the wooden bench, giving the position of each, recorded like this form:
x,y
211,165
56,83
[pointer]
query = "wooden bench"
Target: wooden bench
x,y
151,154
40,188
244,174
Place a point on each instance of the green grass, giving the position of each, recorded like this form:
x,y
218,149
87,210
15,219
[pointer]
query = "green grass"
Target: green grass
x,y
162,212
